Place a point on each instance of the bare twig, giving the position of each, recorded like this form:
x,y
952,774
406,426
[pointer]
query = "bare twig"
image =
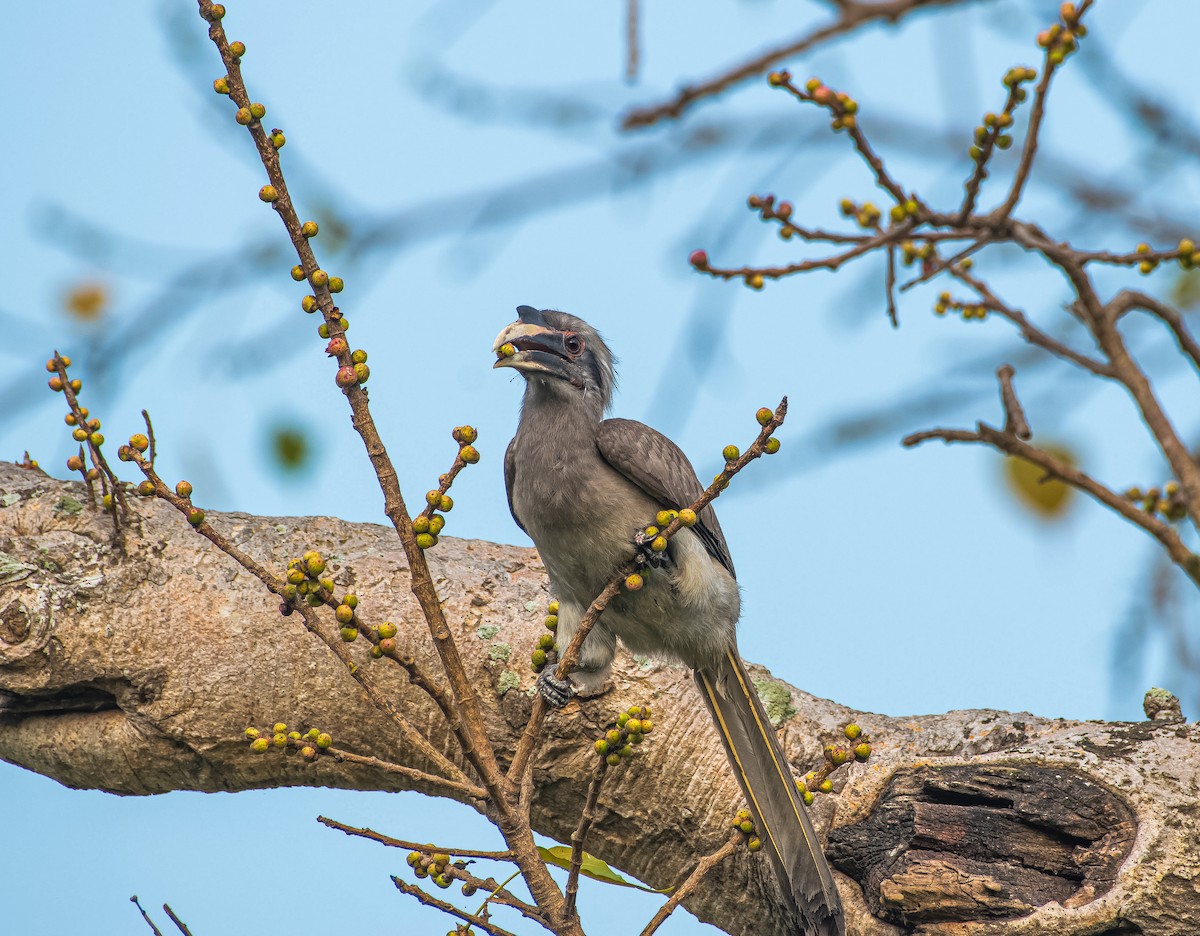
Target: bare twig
x,y
430,901
180,925
498,891
108,477
151,454
1129,300
986,150
933,269
145,916
862,248
1127,372
1122,366
1132,258
454,869
848,122
871,158
423,681
852,16
1029,331
468,790
579,835
688,887
889,287
1036,114
412,846
1014,416
1006,442
632,40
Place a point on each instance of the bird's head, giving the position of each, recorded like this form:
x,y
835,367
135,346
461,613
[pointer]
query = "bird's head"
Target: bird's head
x,y
558,354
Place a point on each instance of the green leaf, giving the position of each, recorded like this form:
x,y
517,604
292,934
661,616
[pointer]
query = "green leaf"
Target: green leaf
x,y
290,448
1045,497
593,867
1185,291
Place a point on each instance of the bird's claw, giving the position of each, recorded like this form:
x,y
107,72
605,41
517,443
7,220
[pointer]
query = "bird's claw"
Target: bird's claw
x,y
645,554
557,692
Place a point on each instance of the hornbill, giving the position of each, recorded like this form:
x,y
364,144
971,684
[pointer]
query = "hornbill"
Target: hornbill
x,y
583,487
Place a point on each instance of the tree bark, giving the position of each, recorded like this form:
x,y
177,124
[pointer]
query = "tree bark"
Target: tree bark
x,y
135,666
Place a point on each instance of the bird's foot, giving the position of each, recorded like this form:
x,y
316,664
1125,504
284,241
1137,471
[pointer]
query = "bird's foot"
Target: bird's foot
x,y
645,553
557,692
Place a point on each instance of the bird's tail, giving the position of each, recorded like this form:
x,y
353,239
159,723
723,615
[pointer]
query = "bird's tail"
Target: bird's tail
x,y
765,776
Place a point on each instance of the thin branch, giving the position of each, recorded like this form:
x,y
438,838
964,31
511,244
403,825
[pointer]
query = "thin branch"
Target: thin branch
x,y
889,287
145,916
1128,300
632,40
444,483
1121,364
107,476
1036,114
986,150
178,922
522,762
1006,442
889,236
423,681
579,835
420,776
945,435
853,15
498,892
1129,373
1132,258
688,887
1029,150
151,454
412,846
845,119
1015,422
430,901
1029,331
869,156
933,269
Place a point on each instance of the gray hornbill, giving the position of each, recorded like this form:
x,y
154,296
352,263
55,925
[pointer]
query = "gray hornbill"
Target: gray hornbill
x,y
582,487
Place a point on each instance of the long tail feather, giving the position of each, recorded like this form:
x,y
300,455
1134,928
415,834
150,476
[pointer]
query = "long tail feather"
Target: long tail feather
x,y
763,772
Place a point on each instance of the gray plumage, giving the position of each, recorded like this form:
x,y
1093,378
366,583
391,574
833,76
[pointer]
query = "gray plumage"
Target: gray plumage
x,y
581,486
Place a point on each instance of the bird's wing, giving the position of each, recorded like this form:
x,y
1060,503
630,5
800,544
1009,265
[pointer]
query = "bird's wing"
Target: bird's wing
x,y
658,466
510,475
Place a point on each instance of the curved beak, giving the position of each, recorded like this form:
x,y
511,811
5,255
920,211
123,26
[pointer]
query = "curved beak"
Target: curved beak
x,y
535,348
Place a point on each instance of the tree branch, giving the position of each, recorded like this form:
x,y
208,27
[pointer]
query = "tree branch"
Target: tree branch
x,y
1010,444
1128,300
852,15
176,709
412,846
688,887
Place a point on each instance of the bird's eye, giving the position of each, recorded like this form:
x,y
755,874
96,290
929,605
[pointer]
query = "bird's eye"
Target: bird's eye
x,y
573,343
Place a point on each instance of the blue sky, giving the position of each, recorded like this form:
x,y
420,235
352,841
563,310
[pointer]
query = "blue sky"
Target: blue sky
x,y
895,581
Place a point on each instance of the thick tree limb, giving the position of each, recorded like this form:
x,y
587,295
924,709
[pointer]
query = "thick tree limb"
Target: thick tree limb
x,y
136,670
